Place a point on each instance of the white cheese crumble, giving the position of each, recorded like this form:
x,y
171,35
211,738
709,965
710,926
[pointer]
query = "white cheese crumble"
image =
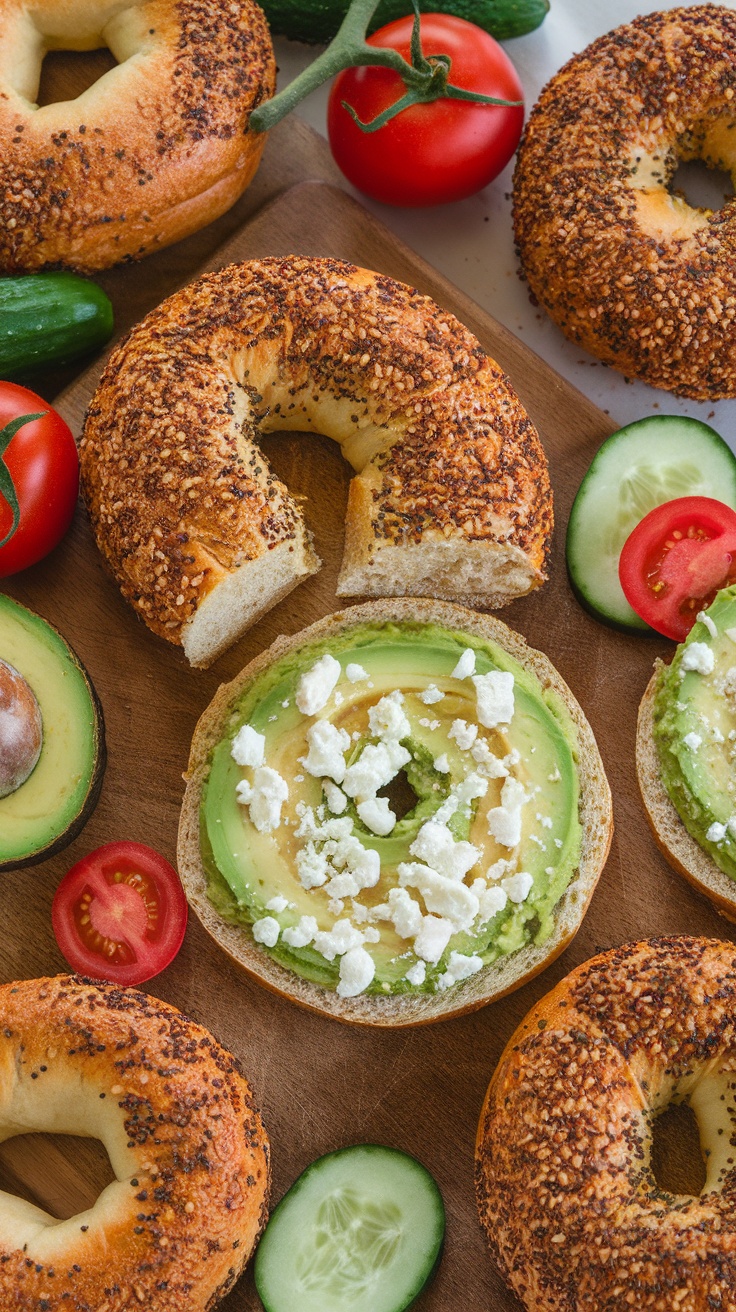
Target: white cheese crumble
x,y
492,900
417,973
277,904
377,815
453,901
266,931
708,622
492,767
315,686
301,934
698,656
432,939
441,764
355,673
248,746
268,794
327,748
716,833
376,766
494,697
357,969
431,695
340,939
692,741
436,845
464,734
387,719
465,666
336,799
504,821
518,886
459,967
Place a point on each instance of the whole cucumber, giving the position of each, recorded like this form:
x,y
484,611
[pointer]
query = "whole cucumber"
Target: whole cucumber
x,y
317,21
50,318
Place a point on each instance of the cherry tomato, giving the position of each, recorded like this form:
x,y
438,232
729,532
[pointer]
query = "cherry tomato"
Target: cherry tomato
x,y
434,152
39,478
676,560
120,914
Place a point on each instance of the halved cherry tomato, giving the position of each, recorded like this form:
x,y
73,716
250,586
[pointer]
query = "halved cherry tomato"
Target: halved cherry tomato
x,y
39,478
676,560
120,913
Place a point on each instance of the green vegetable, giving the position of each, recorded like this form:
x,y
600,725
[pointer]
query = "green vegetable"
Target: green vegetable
x,y
361,1229
50,318
424,79
317,21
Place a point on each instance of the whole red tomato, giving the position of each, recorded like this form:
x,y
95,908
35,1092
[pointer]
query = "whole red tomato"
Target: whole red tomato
x,y
39,478
435,152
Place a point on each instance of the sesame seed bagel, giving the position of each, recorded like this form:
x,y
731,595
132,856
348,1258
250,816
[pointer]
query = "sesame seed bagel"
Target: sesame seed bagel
x,y
683,852
416,1007
564,1180
629,270
152,151
184,1138
451,498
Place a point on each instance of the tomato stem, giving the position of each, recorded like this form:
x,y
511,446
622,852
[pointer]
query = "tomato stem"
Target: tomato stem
x,y
425,79
7,486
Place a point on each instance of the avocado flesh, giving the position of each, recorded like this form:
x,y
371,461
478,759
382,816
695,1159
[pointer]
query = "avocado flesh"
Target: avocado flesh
x,y
246,869
701,781
35,819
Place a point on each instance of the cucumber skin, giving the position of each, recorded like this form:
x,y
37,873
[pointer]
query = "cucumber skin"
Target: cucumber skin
x,y
50,318
317,21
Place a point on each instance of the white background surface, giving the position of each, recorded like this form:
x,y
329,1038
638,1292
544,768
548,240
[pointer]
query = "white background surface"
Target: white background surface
x,y
471,242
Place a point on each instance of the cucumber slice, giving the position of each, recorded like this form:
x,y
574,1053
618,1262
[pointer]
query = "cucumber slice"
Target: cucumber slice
x,y
643,465
360,1231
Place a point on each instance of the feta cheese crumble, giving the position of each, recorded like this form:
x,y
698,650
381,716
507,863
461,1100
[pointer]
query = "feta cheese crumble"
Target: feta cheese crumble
x,y
465,666
699,657
494,697
248,746
315,686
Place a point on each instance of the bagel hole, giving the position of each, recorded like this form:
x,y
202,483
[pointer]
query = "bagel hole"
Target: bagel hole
x,y
67,74
401,796
60,1173
700,186
677,1160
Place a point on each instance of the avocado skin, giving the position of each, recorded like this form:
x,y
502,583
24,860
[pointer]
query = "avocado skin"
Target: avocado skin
x,y
685,774
510,929
99,748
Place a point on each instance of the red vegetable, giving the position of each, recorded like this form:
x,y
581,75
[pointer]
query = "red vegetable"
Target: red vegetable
x,y
39,478
120,914
434,152
676,560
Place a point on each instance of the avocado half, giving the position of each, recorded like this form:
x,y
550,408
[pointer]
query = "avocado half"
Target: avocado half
x,y
49,809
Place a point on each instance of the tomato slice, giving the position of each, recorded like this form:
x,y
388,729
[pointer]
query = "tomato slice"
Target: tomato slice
x,y
676,560
120,913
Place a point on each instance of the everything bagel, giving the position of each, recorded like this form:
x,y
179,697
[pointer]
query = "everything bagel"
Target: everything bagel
x,y
632,272
451,499
155,149
564,1182
185,1141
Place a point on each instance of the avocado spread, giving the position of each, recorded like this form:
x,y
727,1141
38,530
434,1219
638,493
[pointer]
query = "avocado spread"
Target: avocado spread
x,y
695,730
392,809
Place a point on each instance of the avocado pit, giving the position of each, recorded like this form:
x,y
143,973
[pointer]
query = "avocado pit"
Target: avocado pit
x,y
21,730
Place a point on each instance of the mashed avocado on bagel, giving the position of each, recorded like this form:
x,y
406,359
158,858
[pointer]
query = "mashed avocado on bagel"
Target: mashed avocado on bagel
x,y
393,808
695,730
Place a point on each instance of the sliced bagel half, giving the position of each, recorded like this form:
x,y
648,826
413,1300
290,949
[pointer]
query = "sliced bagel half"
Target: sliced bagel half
x,y
680,849
221,720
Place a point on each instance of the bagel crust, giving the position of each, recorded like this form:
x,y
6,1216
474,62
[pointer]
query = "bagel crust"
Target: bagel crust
x,y
155,149
452,495
565,1187
185,1141
633,273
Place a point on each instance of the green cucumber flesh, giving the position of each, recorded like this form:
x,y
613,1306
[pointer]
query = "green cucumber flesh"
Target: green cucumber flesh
x,y
360,1230
641,466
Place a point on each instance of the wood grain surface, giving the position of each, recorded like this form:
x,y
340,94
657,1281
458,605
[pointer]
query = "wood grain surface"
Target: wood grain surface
x,y
322,1085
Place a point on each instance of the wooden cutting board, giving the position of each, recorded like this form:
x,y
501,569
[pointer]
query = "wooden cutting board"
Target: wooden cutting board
x,y
322,1085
